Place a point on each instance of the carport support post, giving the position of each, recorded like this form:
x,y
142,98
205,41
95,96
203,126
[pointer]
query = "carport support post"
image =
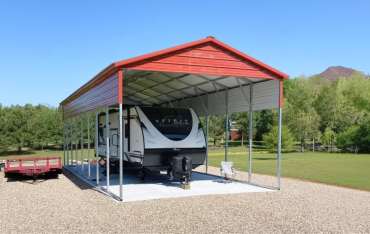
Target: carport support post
x,y
107,145
76,146
207,129
68,144
88,146
280,115
64,144
96,146
250,132
121,131
82,146
73,143
227,125
121,149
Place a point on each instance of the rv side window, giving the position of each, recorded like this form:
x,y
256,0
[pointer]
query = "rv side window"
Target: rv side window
x,y
126,130
101,138
174,123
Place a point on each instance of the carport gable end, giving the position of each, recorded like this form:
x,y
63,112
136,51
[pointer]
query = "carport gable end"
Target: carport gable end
x,y
207,57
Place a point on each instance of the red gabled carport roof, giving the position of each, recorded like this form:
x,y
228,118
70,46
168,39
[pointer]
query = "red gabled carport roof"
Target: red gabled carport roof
x,y
114,67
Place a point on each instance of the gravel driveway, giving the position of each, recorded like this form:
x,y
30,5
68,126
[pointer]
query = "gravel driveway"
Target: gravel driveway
x,y
60,205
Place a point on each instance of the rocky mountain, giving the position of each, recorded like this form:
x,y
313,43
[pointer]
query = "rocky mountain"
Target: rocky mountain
x,y
335,72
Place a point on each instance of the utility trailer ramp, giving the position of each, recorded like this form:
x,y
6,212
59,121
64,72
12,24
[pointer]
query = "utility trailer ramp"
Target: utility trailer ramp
x,y
160,188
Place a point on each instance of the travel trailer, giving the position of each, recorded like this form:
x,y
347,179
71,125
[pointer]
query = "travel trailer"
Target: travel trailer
x,y
156,139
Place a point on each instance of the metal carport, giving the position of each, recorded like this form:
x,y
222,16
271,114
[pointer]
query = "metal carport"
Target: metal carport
x,y
206,75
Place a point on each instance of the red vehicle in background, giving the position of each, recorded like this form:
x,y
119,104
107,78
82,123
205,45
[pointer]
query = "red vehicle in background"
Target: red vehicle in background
x,y
34,166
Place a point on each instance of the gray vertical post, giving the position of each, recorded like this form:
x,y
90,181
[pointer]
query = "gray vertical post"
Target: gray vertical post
x,y
76,142
97,146
88,147
68,144
107,145
250,132
64,144
82,146
207,130
73,143
76,149
227,124
280,115
121,149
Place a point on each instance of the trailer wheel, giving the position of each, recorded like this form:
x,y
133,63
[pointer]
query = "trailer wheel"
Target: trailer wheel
x,y
6,175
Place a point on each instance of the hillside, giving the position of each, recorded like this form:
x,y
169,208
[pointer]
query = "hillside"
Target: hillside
x,y
334,72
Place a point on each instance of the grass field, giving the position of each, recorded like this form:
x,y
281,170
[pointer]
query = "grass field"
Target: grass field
x,y
348,170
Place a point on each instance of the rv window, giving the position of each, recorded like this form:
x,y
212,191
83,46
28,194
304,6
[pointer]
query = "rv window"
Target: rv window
x,y
126,130
101,138
115,139
174,123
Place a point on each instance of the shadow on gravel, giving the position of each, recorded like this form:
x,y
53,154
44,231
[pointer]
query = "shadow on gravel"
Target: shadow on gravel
x,y
77,181
29,179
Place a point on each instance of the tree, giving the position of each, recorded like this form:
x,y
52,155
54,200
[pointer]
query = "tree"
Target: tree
x,y
329,138
356,138
216,128
242,123
3,133
358,92
300,114
347,140
342,103
270,139
18,129
47,126
263,123
29,126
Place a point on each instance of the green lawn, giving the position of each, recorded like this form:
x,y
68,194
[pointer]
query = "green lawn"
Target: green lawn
x,y
349,170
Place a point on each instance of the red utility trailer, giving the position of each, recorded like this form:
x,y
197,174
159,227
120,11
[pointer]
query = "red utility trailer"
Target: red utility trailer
x,y
33,166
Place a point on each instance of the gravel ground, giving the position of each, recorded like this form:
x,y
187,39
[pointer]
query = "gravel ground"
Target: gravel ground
x,y
60,205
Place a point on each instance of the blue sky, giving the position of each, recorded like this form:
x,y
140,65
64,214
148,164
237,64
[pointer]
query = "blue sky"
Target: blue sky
x,y
50,48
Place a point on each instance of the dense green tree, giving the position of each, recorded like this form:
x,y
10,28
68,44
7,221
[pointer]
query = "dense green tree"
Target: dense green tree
x,y
355,138
47,126
300,114
3,131
270,139
358,92
329,138
18,127
216,128
263,123
347,141
29,126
